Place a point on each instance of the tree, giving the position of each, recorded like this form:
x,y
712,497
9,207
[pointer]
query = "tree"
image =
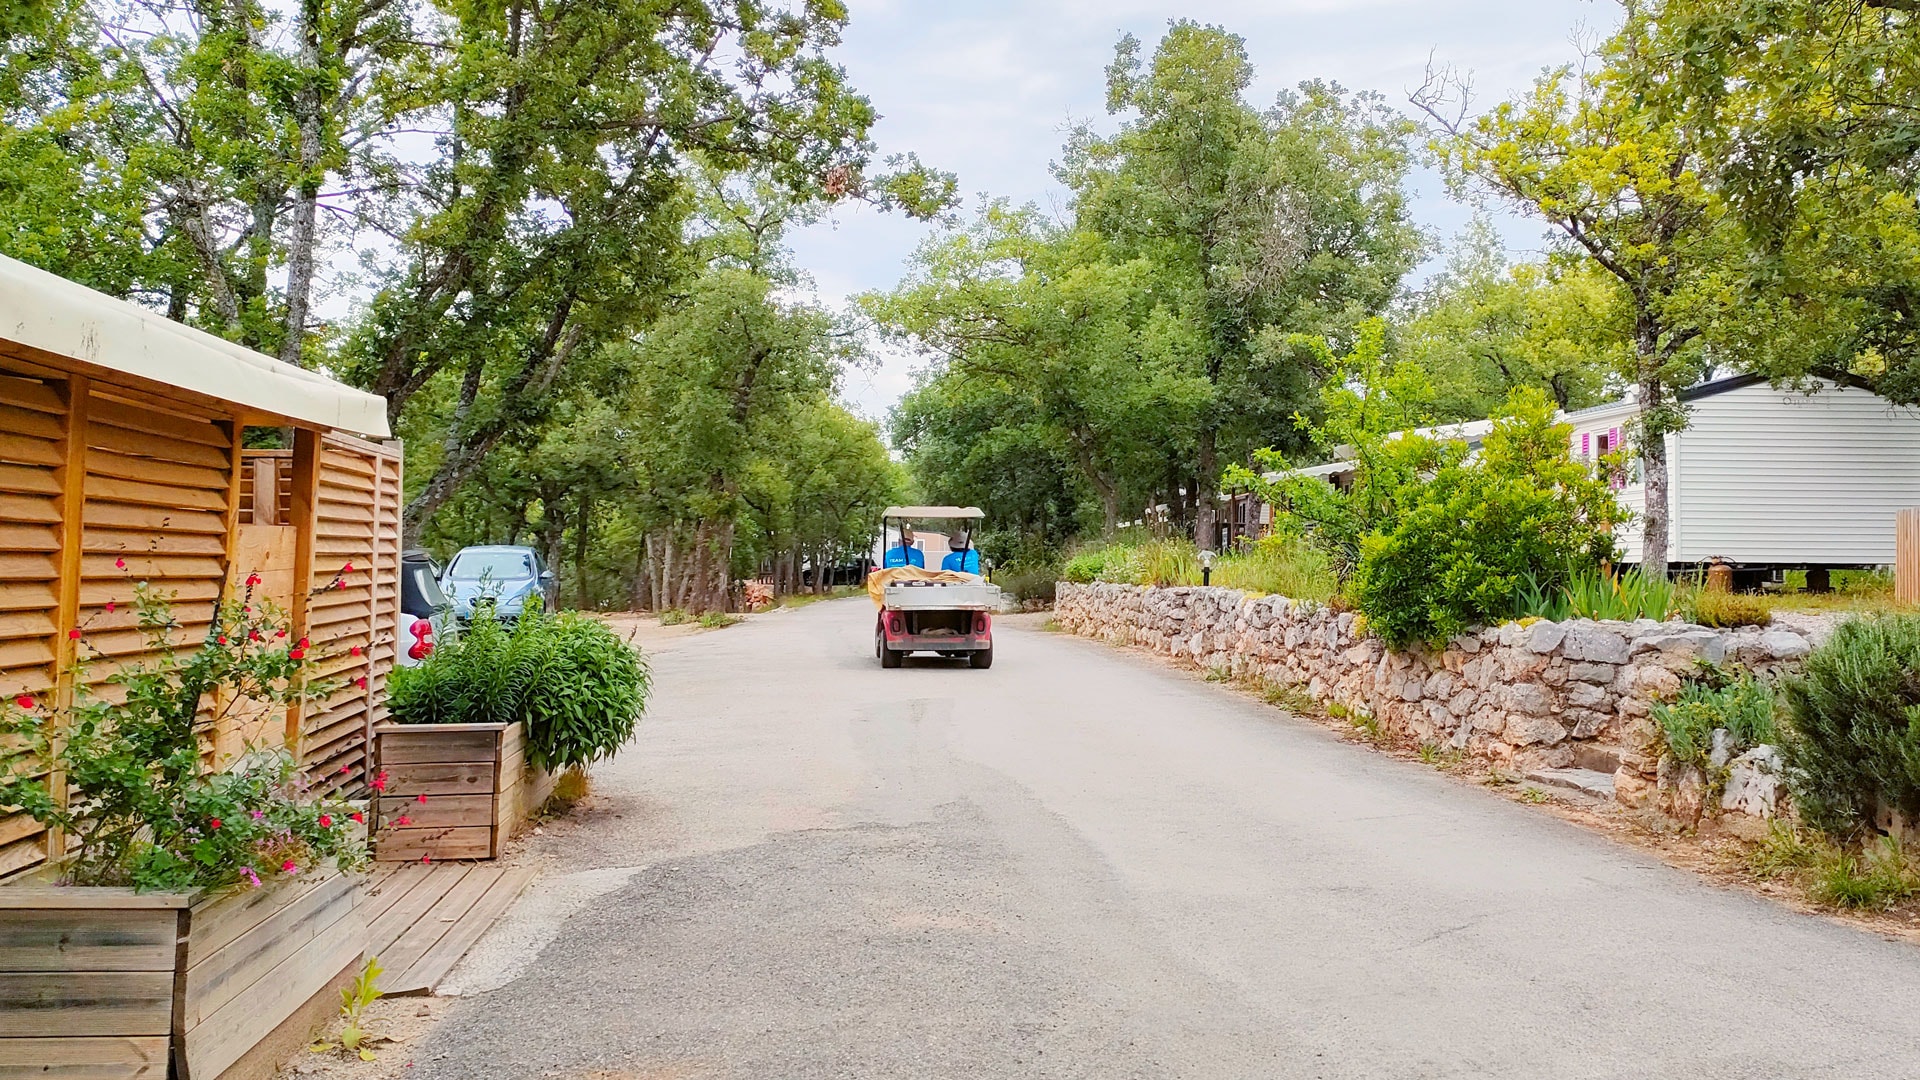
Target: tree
x,y
1075,342
1625,186
1260,226
1482,329
1810,108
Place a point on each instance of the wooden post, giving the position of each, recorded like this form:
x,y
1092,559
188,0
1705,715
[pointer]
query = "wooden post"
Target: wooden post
x,y
73,507
301,515
1906,558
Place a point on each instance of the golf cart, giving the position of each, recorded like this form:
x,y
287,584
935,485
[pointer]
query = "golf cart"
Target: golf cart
x,y
930,589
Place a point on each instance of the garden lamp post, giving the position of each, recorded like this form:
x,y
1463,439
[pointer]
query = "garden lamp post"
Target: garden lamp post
x,y
1206,568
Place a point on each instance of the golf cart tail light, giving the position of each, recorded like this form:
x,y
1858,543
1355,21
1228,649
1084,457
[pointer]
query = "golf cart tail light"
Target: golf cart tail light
x,y
422,629
894,625
980,622
420,650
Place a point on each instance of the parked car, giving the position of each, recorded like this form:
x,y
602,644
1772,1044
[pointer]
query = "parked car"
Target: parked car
x,y
501,577
426,615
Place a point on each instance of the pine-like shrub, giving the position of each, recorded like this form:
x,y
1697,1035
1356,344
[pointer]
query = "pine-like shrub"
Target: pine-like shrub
x,y
1853,738
578,687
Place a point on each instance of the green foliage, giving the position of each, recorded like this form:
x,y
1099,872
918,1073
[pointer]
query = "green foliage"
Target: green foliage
x,y
718,620
1784,850
1028,581
673,617
1466,540
141,811
1275,565
579,689
1744,707
1719,608
1592,594
1852,744
355,998
1876,879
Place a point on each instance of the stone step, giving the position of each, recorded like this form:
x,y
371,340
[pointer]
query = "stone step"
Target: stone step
x,y
1585,781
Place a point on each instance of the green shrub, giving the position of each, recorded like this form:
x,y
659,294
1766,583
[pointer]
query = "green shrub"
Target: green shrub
x,y
1029,581
1281,566
1718,608
674,617
1744,707
1469,538
578,687
1876,879
1853,736
718,620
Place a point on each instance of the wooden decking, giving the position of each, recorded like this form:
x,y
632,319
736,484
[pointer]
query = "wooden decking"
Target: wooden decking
x,y
422,919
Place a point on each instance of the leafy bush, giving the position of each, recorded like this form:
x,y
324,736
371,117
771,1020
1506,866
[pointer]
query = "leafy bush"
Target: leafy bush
x,y
1718,608
1853,736
1744,707
140,811
1877,878
1029,581
718,620
1468,539
578,687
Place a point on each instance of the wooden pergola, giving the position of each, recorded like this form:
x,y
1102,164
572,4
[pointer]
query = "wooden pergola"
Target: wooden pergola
x,y
123,459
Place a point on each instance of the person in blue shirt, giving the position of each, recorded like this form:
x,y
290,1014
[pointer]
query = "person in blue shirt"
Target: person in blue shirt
x,y
964,557
905,554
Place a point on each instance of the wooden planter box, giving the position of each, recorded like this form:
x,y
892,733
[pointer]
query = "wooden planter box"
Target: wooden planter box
x,y
478,785
99,982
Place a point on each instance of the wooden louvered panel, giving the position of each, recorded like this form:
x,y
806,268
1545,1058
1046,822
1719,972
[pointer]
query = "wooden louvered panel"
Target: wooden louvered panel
x,y
266,487
33,452
158,488
354,552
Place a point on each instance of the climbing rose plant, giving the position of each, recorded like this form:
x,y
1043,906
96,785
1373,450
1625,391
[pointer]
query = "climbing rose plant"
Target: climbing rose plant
x,y
140,809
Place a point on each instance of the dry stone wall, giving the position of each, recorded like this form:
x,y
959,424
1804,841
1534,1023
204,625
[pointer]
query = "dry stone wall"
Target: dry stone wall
x,y
1525,695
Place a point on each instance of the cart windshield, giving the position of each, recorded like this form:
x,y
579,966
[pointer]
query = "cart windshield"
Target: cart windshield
x,y
931,542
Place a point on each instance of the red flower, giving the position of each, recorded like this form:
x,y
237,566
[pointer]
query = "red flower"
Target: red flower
x,y
422,797
347,569
252,580
213,823
25,701
361,682
279,633
289,866
403,821
111,605
358,817
379,785
297,654
222,639
303,641
426,858
326,822
253,635
120,564
345,769
73,634
353,651
246,609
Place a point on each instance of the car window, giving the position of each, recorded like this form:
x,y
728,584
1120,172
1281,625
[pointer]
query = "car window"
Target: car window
x,y
419,592
492,565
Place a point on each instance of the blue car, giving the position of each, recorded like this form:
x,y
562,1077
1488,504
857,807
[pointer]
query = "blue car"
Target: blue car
x,y
502,577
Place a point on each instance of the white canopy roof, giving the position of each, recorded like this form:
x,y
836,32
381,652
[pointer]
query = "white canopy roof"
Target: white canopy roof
x,y
933,512
50,313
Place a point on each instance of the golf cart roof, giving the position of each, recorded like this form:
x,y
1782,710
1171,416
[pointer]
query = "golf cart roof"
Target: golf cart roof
x,y
971,512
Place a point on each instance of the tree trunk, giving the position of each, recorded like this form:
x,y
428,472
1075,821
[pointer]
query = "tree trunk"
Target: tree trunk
x,y
1653,467
582,527
1206,491
306,188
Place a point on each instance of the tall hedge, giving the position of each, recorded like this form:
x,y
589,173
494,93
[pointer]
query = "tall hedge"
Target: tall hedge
x,y
1853,739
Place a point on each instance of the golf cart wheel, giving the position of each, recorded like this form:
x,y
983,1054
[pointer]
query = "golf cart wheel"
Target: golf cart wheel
x,y
981,658
888,658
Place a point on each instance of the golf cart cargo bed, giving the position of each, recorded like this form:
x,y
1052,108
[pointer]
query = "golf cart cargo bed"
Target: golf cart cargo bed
x,y
943,596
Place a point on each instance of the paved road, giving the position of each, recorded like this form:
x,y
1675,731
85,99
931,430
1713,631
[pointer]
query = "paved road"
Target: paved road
x,y
1078,865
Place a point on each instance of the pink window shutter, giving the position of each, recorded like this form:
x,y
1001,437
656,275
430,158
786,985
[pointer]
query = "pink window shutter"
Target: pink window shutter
x,y
1613,447
1586,445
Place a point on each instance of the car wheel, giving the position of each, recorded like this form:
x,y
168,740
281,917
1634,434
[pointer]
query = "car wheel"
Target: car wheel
x,y
888,658
981,658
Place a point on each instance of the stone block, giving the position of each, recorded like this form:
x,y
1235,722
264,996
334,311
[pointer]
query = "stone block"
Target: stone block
x,y
1784,645
1543,637
1532,699
1592,673
1594,644
1523,730
1586,695
1754,784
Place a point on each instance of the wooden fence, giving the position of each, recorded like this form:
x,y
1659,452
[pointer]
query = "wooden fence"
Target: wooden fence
x,y
103,486
1906,556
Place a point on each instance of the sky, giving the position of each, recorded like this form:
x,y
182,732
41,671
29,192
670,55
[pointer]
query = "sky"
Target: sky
x,y
986,88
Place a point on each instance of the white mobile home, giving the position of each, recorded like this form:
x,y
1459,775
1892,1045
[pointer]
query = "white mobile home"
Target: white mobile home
x,y
1762,477
1765,476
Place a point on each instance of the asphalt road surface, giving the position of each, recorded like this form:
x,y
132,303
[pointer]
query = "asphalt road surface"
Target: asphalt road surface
x,y
1077,864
